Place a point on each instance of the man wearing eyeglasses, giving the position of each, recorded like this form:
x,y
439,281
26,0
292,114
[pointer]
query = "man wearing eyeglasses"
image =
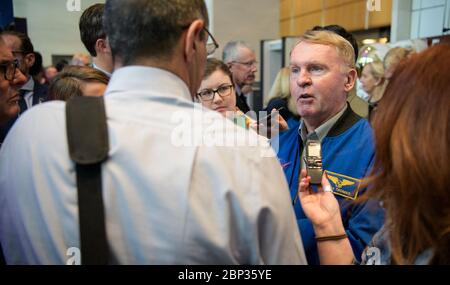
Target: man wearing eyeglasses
x,y
241,60
10,81
31,93
164,203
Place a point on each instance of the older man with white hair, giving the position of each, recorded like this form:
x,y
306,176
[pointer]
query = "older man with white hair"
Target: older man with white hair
x,y
322,73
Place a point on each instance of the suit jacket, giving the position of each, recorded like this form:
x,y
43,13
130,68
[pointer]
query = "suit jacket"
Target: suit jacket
x,y
241,103
40,95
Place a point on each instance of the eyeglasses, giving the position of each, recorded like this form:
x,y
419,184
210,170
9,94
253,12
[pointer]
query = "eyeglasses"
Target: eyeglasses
x,y
9,69
211,47
248,63
208,94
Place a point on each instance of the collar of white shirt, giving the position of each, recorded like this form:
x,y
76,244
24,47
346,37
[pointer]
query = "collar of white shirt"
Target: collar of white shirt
x,y
323,130
29,86
153,81
102,70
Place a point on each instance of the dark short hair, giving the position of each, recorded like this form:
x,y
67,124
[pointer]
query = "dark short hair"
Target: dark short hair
x,y
343,33
61,64
68,83
148,28
37,66
25,43
213,64
91,27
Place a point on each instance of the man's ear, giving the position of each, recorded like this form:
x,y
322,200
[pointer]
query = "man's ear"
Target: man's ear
x,y
101,45
350,79
29,59
194,39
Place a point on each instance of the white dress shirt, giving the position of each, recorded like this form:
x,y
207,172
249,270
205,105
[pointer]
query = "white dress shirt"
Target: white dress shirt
x,y
166,202
102,70
29,90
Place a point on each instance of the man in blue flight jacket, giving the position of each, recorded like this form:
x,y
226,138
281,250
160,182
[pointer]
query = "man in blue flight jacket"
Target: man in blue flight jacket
x,y
322,74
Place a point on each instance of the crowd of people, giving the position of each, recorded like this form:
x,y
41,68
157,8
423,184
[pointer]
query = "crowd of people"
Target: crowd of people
x,y
341,181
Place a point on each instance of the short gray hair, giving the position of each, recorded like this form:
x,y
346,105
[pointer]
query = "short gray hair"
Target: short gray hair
x,y
231,50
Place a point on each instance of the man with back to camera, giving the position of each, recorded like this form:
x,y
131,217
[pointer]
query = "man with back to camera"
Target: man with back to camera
x,y
241,60
93,37
322,73
164,204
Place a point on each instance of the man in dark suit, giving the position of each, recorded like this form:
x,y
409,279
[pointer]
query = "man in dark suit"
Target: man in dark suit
x,y
241,60
31,93
10,81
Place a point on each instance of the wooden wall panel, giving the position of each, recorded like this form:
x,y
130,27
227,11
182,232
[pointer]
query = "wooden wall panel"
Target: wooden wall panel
x,y
335,3
285,28
351,16
306,22
381,18
302,7
285,9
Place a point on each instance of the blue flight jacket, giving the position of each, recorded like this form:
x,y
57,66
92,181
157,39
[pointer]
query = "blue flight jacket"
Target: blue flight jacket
x,y
347,156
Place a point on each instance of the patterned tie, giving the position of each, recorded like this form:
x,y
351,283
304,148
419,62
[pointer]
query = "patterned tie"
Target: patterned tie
x,y
22,102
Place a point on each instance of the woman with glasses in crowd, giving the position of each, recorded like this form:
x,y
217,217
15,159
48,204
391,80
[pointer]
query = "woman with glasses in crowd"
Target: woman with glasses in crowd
x,y
217,93
216,88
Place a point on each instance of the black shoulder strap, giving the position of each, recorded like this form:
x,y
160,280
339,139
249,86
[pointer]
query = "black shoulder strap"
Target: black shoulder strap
x,y
2,258
87,135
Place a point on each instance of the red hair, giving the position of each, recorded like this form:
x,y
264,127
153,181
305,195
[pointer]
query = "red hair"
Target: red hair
x,y
412,163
